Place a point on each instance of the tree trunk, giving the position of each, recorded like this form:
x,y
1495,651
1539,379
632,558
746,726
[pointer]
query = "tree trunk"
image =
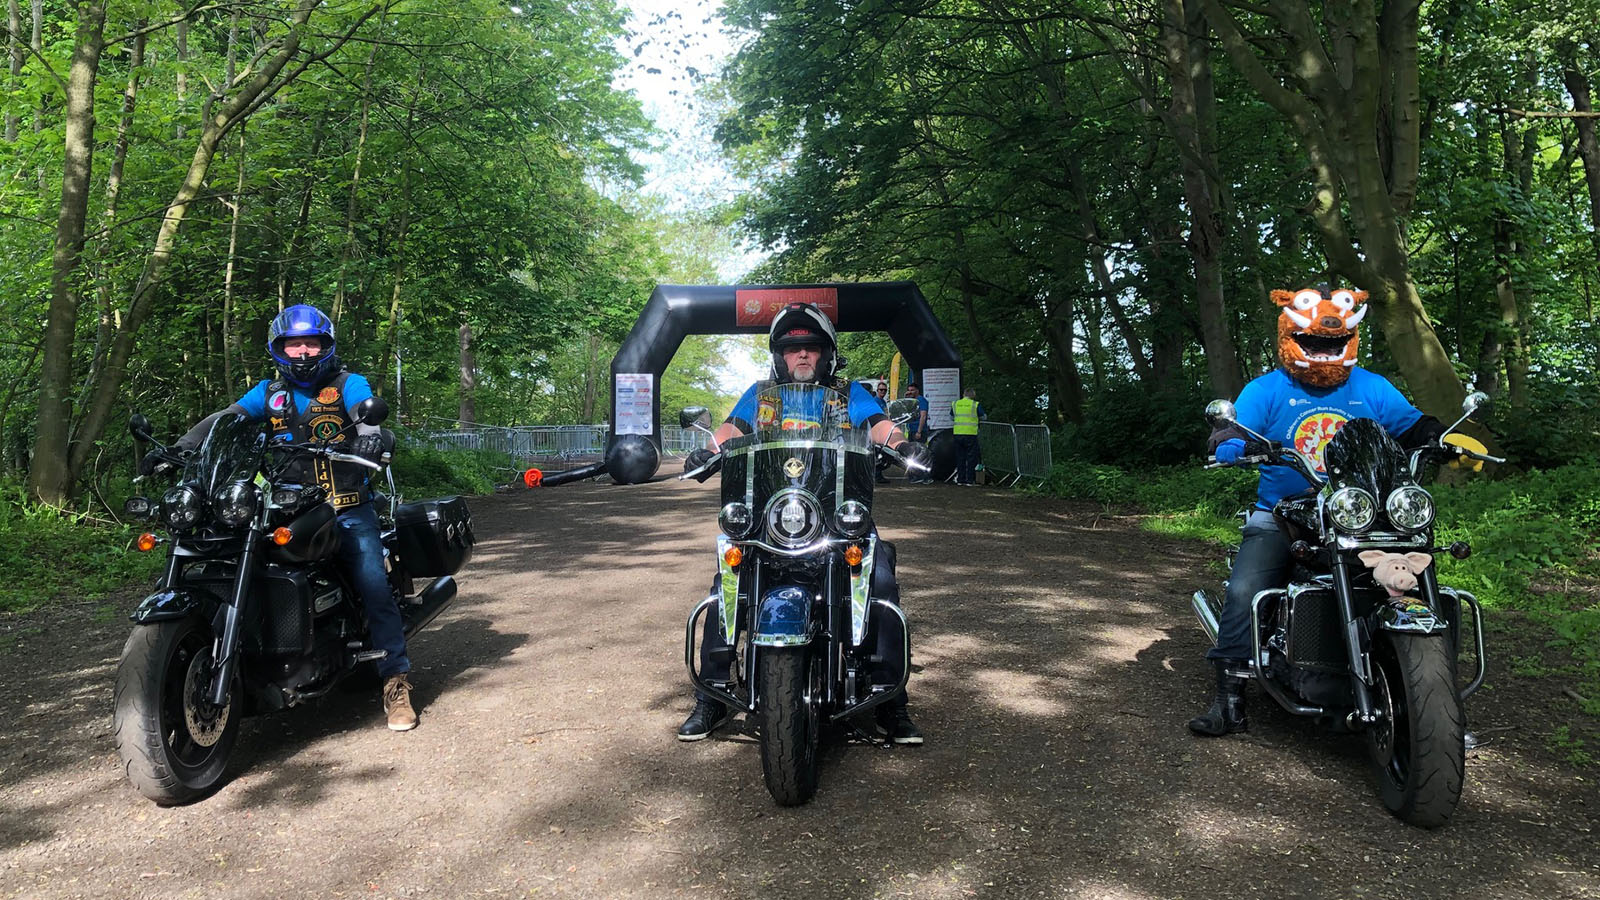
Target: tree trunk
x,y
230,339
591,378
14,50
1588,148
355,185
180,121
49,473
1089,228
468,415
1354,103
1187,60
106,324
291,248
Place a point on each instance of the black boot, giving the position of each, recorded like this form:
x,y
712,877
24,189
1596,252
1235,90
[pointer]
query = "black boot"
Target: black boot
x,y
1226,714
895,720
707,715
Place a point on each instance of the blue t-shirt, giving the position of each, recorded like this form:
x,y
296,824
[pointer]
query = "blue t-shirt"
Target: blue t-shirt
x,y
923,412
863,406
356,389
1307,418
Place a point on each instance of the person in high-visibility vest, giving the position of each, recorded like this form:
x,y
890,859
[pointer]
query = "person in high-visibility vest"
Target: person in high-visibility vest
x,y
967,413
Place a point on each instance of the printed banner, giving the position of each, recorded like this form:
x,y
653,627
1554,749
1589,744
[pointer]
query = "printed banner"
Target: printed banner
x,y
635,403
942,387
758,306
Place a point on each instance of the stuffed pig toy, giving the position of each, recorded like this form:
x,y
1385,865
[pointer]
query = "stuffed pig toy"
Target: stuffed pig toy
x,y
1397,572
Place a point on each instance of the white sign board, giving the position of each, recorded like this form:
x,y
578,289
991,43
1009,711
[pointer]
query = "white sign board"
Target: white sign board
x,y
635,403
942,387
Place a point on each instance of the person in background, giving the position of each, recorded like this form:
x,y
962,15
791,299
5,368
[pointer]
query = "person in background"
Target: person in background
x,y
918,429
967,413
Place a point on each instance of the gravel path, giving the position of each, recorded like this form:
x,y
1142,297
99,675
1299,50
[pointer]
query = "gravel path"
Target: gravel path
x,y
1057,661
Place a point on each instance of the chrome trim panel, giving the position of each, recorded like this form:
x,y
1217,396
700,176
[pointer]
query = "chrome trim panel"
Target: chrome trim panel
x,y
860,586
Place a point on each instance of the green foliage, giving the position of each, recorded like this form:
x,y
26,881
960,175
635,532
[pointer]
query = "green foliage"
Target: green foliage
x,y
50,555
423,472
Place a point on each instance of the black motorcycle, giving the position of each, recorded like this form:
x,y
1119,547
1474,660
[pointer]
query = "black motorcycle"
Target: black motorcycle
x,y
1335,644
794,595
251,613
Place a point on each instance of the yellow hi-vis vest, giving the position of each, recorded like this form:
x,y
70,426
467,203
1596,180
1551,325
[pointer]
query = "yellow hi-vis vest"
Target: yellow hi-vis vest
x,y
965,411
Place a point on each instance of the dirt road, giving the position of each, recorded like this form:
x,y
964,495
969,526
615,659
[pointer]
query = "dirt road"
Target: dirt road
x,y
1057,663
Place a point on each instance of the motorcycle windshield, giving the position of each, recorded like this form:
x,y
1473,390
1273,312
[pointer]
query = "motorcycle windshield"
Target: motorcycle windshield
x,y
231,452
1363,455
805,444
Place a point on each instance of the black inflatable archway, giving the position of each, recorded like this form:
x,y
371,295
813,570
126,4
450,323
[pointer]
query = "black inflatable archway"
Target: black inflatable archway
x,y
633,446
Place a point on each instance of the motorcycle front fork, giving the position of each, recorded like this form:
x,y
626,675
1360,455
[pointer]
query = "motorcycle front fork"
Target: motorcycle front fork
x,y
225,652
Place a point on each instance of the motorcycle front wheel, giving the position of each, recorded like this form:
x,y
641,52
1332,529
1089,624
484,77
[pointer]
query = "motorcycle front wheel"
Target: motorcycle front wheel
x,y
173,743
1417,747
790,724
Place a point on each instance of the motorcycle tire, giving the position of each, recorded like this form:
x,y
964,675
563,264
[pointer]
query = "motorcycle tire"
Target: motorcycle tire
x,y
790,724
1417,749
174,746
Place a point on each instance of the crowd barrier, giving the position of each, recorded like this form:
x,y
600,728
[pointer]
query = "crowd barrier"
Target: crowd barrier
x,y
1014,453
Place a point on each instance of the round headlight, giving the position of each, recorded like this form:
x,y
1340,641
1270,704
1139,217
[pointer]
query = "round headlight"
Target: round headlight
x,y
793,518
181,508
1352,509
236,503
1409,508
852,520
736,521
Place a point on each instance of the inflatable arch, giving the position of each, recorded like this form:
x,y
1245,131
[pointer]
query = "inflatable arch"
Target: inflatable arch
x,y
633,445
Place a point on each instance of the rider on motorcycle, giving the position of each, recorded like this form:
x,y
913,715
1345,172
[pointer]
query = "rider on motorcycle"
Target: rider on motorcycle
x,y
805,351
1303,404
312,399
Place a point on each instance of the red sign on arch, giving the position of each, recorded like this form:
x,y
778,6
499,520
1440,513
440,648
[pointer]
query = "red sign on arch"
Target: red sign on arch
x,y
757,306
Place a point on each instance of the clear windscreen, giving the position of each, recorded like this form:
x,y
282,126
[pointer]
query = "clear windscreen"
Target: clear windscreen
x,y
805,412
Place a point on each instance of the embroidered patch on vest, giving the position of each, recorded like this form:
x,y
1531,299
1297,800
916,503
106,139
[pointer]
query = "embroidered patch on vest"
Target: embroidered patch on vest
x,y
329,394
278,401
325,427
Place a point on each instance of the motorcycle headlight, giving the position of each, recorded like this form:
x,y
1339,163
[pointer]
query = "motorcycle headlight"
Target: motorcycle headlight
x,y
181,508
736,521
137,507
286,498
1409,508
852,520
1352,509
793,518
236,503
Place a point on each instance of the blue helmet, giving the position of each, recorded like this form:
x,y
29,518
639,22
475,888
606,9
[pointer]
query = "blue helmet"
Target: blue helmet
x,y
301,320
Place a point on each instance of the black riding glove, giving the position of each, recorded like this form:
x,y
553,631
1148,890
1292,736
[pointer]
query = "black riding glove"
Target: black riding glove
x,y
698,458
368,446
916,455
156,462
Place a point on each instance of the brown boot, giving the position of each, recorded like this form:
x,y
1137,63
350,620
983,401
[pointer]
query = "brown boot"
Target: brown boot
x,y
397,703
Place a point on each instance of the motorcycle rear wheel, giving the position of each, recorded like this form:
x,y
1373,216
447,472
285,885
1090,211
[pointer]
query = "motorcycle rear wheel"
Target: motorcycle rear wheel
x,y
1417,749
790,724
174,745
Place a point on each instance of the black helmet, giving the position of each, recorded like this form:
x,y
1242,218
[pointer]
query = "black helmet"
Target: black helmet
x,y
798,324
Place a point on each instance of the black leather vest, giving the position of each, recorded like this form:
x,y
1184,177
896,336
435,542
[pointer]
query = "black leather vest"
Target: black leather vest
x,y
345,483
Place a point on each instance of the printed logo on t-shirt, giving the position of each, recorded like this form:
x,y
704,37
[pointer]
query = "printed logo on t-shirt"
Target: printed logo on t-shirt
x,y
1312,433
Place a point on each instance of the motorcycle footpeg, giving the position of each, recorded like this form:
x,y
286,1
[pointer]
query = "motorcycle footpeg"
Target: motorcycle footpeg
x,y
720,654
370,655
1241,673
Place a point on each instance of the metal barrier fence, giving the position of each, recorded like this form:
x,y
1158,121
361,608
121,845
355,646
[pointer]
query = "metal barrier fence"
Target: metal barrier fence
x,y
1011,453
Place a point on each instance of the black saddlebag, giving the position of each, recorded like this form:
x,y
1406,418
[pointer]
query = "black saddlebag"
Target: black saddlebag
x,y
434,536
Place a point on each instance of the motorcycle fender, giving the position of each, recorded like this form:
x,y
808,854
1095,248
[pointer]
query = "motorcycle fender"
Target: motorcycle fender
x,y
729,598
1408,615
175,603
784,617
860,586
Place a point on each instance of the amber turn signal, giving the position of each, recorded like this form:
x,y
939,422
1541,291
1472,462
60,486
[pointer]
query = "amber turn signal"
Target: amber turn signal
x,y
146,542
733,556
852,554
282,536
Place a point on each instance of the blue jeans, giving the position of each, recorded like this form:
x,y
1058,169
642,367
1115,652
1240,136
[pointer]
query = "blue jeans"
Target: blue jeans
x,y
361,555
1263,563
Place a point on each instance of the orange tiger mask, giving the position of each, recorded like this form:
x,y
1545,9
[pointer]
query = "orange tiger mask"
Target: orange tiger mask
x,y
1317,337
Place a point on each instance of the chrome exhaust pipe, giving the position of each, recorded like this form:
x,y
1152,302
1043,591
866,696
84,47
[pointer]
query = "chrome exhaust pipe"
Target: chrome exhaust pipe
x,y
1206,610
